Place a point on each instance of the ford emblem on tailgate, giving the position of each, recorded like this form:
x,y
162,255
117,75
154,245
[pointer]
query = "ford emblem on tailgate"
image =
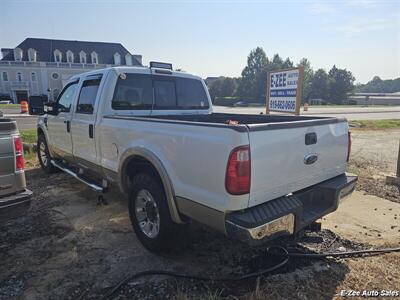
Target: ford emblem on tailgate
x,y
309,159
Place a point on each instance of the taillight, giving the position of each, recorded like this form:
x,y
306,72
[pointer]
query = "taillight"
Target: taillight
x,y
19,154
348,145
238,170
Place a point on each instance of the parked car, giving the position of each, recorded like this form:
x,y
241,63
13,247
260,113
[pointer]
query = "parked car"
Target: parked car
x,y
152,131
241,104
14,196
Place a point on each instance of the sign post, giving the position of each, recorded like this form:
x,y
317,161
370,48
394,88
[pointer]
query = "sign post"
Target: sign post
x,y
283,92
395,180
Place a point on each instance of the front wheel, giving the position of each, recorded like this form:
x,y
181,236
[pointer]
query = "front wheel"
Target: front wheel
x,y
149,213
44,155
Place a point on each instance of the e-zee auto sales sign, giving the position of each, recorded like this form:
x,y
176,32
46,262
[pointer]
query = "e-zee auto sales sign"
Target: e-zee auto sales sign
x,y
284,90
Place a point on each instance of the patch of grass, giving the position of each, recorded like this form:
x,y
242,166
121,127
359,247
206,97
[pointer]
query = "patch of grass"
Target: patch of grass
x,y
345,105
210,295
30,157
31,160
29,136
323,280
10,106
376,124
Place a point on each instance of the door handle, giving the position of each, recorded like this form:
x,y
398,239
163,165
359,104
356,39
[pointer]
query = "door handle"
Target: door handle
x,y
311,138
68,125
91,130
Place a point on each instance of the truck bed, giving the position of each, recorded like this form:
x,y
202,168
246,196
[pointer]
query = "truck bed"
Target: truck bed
x,y
247,119
279,147
245,122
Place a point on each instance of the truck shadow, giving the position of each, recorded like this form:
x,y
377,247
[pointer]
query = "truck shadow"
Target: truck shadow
x,y
70,246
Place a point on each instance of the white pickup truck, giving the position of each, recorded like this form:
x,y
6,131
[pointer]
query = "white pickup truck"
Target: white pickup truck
x,y
153,132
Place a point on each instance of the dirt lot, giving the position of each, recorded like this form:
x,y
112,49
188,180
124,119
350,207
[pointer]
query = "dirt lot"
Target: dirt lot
x,y
374,155
70,248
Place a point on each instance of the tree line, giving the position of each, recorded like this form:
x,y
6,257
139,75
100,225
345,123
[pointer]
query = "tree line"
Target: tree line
x,y
377,85
331,86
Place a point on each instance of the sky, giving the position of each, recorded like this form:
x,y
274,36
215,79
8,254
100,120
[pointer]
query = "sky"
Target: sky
x,y
213,38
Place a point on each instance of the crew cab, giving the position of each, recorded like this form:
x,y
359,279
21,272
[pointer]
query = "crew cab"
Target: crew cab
x,y
152,131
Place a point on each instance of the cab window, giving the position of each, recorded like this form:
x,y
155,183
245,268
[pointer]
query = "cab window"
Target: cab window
x,y
88,95
66,97
191,94
145,91
179,93
133,91
164,94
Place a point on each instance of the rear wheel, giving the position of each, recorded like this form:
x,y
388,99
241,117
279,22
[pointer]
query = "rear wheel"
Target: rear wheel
x,y
44,155
149,213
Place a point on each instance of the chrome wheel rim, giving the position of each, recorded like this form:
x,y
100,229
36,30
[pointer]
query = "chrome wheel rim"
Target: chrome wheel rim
x,y
147,214
42,153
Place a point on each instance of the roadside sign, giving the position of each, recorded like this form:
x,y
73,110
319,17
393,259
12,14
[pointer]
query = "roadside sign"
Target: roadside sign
x,y
283,93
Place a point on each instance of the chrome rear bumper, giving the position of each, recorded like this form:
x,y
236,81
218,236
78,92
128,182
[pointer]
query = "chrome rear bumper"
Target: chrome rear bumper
x,y
15,205
289,214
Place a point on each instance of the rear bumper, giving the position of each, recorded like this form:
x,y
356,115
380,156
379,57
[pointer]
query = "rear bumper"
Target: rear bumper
x,y
289,214
14,205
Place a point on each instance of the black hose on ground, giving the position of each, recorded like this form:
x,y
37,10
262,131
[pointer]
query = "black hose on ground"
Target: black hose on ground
x,y
346,253
202,278
284,253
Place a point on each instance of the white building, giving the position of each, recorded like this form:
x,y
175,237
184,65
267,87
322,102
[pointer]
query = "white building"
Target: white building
x,y
42,66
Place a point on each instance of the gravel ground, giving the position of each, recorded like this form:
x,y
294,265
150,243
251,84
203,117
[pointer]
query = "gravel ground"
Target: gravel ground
x,y
373,157
70,248
67,247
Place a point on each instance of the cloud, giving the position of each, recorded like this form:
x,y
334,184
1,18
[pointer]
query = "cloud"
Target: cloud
x,y
355,27
357,17
319,8
364,3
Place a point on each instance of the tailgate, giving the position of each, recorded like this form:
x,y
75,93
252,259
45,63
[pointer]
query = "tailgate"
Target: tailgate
x,y
290,156
7,160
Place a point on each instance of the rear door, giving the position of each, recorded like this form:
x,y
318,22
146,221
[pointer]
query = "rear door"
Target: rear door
x,y
290,156
59,125
83,121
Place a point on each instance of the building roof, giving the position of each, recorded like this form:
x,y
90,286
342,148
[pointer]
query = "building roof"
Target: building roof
x,y
45,50
396,94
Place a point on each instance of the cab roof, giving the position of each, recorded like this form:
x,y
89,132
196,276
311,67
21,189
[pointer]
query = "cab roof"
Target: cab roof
x,y
136,70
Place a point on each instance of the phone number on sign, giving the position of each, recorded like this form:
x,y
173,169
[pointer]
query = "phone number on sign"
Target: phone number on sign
x,y
287,105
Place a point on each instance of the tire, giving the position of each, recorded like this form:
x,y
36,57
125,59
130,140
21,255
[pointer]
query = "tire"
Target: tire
x,y
44,155
146,191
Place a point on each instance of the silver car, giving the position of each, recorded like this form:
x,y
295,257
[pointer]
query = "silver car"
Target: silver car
x,y
14,196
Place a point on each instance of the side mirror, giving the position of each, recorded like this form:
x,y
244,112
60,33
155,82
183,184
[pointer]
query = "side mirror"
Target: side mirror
x,y
50,108
36,104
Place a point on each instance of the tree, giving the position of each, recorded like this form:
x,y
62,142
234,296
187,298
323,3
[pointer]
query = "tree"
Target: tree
x,y
308,77
333,86
252,83
222,87
319,87
288,63
254,75
377,85
376,79
277,63
341,82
